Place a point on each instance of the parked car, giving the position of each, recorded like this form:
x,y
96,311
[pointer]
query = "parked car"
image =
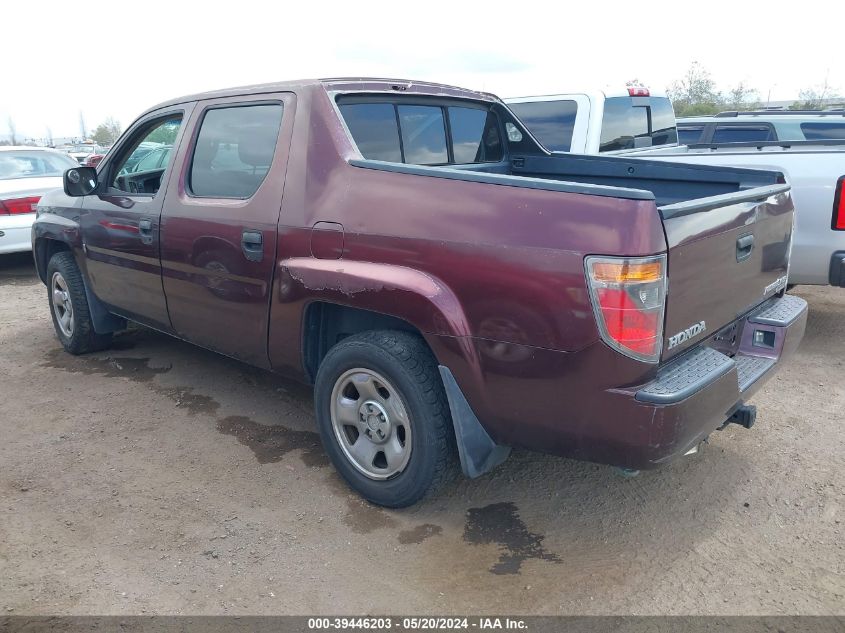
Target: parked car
x,y
26,173
83,151
599,121
154,159
815,169
763,125
446,284
138,153
94,159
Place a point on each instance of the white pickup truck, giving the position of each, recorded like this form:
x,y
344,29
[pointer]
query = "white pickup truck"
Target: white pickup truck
x,y
599,121
642,125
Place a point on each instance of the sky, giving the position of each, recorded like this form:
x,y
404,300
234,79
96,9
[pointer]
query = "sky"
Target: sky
x,y
117,58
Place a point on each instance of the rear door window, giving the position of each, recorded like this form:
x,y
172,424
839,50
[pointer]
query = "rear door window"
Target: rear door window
x,y
823,130
743,134
234,150
552,122
633,122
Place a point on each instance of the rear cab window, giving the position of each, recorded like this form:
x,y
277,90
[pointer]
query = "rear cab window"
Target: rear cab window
x,y
419,132
634,122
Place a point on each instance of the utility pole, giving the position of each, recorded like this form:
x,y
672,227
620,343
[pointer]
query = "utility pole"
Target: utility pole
x,y
82,129
12,131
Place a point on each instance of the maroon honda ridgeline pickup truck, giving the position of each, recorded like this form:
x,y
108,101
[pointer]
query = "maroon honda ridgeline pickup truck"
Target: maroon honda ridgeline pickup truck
x,y
449,287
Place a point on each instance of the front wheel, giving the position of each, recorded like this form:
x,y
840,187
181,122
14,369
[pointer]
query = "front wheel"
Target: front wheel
x,y
69,307
384,418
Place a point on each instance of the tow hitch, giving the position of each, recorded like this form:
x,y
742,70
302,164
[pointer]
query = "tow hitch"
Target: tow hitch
x,y
744,416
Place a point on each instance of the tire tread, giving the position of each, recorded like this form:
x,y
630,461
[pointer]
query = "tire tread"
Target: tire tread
x,y
85,339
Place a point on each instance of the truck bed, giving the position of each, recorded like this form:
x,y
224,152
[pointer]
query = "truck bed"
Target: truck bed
x,y
669,183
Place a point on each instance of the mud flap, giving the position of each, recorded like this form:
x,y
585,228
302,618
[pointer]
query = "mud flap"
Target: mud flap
x,y
104,322
478,452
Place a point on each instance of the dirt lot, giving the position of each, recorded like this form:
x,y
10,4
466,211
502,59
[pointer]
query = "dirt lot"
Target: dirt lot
x,y
160,478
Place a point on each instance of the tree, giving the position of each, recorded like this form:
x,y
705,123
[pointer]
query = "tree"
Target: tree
x,y
634,83
742,97
814,98
164,133
13,131
107,132
695,93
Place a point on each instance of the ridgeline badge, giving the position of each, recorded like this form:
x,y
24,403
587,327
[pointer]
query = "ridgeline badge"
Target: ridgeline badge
x,y
690,332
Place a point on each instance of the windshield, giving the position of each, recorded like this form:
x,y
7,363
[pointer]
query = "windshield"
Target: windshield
x,y
33,164
82,148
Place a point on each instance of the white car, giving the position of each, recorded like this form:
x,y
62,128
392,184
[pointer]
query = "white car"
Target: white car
x,y
83,151
26,173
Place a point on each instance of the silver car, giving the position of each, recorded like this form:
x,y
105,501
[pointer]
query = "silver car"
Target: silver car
x,y
26,173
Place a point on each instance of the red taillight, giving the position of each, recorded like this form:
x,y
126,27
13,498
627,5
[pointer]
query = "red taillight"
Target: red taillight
x,y
838,223
629,297
638,92
17,206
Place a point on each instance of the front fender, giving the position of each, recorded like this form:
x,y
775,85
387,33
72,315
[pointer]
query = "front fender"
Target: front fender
x,y
57,229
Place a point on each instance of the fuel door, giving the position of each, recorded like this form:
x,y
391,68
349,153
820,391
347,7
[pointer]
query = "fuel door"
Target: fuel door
x,y
327,240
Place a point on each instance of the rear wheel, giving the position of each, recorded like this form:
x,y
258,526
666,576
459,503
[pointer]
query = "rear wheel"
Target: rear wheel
x,y
383,417
69,307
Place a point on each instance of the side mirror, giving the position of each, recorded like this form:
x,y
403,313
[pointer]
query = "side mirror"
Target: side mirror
x,y
80,181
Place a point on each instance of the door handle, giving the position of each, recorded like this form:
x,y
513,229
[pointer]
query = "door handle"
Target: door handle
x,y
252,244
744,246
145,228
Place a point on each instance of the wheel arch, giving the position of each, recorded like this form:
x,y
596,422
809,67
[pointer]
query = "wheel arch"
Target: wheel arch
x,y
44,249
369,295
325,324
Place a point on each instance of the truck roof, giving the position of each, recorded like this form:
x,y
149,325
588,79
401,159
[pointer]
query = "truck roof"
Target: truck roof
x,y
592,93
763,115
340,84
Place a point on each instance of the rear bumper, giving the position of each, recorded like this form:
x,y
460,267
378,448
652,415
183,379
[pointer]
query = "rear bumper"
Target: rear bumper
x,y
596,406
696,393
16,233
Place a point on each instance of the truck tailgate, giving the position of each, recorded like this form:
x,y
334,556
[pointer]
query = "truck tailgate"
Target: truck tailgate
x,y
727,254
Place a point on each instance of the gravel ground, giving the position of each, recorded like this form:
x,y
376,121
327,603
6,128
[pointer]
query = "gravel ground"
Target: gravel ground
x,y
161,478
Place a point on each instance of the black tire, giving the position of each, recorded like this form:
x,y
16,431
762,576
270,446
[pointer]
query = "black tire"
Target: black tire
x,y
82,337
407,363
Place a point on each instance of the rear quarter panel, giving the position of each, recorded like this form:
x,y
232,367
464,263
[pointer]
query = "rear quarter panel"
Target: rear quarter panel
x,y
510,259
